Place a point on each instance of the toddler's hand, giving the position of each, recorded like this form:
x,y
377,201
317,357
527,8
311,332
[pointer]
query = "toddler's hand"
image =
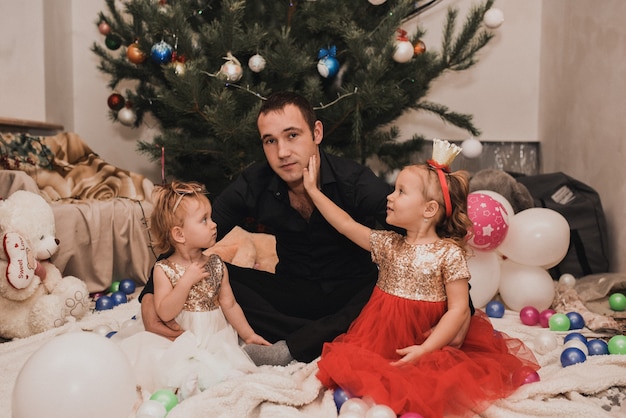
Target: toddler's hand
x,y
410,355
257,339
196,272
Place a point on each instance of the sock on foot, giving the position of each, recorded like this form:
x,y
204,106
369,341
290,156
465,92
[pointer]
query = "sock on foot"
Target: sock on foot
x,y
276,354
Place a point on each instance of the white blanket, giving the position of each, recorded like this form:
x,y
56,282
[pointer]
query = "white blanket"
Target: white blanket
x,y
595,388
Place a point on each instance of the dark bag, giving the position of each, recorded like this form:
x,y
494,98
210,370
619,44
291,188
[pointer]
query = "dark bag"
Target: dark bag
x,y
588,251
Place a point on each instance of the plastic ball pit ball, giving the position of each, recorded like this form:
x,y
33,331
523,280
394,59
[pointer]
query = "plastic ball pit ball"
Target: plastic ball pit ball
x,y
617,302
127,286
529,315
571,356
559,322
617,344
544,317
575,336
597,347
576,320
494,309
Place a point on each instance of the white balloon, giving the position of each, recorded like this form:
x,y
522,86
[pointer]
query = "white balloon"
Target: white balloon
x,y
471,148
79,374
545,342
522,285
484,268
151,409
380,411
536,237
377,2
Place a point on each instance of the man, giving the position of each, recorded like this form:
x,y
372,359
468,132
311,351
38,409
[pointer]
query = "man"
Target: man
x,y
322,279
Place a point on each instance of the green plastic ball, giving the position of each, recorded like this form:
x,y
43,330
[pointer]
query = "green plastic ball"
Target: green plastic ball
x,y
165,397
115,286
559,322
617,344
617,301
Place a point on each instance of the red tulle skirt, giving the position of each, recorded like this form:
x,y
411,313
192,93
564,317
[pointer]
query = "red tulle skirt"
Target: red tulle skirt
x,y
490,365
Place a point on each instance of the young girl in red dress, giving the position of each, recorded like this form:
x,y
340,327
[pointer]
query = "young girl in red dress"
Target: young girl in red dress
x,y
397,351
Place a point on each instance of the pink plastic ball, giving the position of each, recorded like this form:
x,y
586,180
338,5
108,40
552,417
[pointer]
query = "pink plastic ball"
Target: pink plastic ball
x,y
544,317
529,315
490,221
411,415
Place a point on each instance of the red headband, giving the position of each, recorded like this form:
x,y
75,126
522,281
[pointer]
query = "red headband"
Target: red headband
x,y
440,169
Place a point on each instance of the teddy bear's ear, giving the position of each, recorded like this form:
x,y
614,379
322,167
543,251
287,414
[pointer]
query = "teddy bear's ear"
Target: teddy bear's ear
x,y
21,268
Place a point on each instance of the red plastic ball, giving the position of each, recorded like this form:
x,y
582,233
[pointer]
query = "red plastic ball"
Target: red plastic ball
x,y
544,317
529,315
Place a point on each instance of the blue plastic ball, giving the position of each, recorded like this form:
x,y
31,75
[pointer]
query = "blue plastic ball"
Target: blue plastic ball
x,y
104,302
110,334
572,355
127,286
494,309
340,396
576,320
597,347
575,336
161,52
119,297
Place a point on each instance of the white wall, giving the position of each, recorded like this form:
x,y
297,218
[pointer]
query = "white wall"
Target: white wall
x,y
501,91
583,100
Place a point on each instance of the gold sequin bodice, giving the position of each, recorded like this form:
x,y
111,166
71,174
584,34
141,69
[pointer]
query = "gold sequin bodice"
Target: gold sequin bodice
x,y
203,295
416,272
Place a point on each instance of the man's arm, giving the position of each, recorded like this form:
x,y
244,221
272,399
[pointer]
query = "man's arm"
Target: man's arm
x,y
153,323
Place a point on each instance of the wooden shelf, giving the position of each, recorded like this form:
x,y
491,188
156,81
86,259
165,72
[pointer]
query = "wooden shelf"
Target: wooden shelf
x,y
23,125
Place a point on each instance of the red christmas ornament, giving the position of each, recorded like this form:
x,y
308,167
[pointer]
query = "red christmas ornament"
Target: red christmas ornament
x,y
116,101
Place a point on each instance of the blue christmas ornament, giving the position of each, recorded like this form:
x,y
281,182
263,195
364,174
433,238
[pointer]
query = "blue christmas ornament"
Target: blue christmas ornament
x,y
328,66
161,52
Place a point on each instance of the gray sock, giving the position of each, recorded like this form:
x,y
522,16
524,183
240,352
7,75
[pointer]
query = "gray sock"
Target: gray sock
x,y
276,354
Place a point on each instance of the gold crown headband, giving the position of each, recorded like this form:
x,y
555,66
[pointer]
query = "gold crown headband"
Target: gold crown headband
x,y
443,155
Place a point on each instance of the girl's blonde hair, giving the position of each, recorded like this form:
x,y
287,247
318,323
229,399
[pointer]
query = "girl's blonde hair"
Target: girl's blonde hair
x,y
170,201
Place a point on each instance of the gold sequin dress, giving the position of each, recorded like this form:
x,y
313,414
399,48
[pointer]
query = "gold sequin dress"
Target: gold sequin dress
x,y
207,353
408,300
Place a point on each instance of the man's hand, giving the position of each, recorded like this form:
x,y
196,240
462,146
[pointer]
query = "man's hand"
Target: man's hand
x,y
153,323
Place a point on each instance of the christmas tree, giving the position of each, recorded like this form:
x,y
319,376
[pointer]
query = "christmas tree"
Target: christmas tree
x,y
203,67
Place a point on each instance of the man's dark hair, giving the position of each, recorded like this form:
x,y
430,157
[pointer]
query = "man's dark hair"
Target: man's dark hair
x,y
279,100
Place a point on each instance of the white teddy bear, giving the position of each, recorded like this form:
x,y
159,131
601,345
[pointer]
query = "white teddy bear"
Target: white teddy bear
x,y
34,296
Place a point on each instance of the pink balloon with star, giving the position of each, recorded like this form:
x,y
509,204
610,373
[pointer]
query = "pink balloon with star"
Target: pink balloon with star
x,y
490,221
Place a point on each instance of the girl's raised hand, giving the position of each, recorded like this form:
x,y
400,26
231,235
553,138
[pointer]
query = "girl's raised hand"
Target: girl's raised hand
x,y
309,174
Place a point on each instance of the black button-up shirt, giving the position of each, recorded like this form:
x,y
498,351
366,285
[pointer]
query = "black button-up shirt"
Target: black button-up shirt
x,y
311,250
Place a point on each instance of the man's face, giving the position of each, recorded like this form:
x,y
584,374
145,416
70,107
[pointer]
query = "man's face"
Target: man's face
x,y
288,142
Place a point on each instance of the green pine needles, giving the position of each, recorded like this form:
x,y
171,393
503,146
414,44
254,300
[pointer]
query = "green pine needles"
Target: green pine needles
x,y
189,62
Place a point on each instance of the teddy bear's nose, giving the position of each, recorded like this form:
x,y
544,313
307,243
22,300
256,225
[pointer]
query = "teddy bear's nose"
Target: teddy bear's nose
x,y
57,241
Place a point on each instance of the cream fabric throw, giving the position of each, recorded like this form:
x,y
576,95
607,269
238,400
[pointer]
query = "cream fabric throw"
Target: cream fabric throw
x,y
593,389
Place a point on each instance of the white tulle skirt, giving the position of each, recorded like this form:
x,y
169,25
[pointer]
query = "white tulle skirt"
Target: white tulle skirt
x,y
207,353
